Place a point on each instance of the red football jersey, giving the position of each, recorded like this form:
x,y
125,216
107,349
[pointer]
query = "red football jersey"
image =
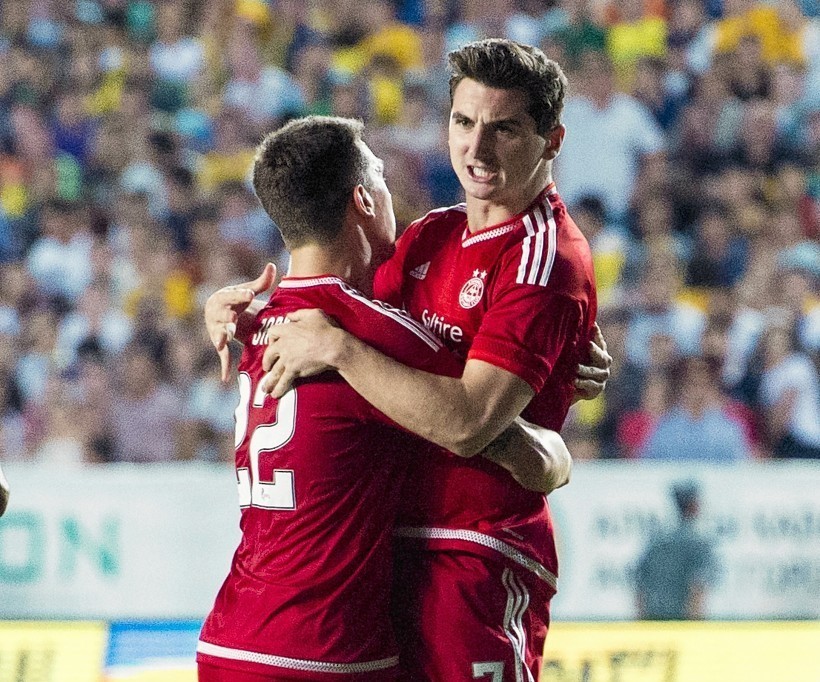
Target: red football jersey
x,y
521,296
319,474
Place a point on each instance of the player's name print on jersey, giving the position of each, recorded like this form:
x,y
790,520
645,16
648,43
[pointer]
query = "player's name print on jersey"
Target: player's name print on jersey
x,y
473,289
420,272
261,337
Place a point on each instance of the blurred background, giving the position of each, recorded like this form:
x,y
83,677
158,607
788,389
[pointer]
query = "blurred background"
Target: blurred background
x,y
691,163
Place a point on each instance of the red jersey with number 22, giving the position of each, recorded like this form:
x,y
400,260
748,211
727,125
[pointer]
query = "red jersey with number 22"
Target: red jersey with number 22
x,y
520,296
319,474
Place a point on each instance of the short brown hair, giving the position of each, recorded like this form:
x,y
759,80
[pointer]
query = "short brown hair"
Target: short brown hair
x,y
501,63
304,174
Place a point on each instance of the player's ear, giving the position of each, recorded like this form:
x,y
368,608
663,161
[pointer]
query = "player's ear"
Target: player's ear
x,y
363,202
554,138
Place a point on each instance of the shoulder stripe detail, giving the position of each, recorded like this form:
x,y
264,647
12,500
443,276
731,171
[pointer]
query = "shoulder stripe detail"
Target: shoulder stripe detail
x,y
537,257
538,250
295,663
424,533
395,314
552,243
525,251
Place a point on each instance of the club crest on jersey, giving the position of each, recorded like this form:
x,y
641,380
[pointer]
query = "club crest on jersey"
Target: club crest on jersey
x,y
473,290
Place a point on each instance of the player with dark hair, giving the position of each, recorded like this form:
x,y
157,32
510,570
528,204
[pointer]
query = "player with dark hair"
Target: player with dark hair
x,y
319,470
506,281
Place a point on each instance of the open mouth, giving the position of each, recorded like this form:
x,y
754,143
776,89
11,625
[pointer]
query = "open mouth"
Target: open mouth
x,y
480,174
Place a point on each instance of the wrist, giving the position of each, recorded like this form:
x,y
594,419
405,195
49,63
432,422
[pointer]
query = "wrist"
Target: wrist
x,y
342,348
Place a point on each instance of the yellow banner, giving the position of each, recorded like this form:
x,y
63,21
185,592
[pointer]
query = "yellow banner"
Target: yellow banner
x,y
52,651
682,652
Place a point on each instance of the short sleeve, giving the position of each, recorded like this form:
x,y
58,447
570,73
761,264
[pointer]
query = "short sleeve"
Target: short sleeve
x,y
526,330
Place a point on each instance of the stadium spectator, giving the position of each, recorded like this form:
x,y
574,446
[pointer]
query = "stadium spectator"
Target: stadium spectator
x,y
635,32
790,395
719,259
63,438
144,413
579,29
659,92
610,132
60,258
96,319
637,426
697,426
262,92
612,246
641,395
660,310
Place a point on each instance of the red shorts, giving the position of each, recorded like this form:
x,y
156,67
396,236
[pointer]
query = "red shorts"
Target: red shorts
x,y
461,617
213,673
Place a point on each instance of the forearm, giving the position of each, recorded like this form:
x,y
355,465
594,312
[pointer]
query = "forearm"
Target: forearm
x,y
537,458
453,413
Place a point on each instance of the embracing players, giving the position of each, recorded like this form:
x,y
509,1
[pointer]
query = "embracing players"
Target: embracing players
x,y
507,282
319,470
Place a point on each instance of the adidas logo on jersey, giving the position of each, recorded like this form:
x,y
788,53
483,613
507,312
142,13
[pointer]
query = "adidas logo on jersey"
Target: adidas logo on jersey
x,y
420,272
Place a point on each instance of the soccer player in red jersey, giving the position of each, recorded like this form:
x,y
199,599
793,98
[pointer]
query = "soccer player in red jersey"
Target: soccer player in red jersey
x,y
319,470
506,281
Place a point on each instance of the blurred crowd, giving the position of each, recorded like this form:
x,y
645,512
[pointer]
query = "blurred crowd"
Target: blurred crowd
x,y
127,129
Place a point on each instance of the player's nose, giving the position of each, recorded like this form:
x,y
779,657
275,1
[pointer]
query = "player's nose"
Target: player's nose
x,y
481,144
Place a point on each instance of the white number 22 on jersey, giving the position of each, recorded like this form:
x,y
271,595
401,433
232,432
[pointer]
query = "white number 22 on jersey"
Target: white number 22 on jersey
x,y
280,493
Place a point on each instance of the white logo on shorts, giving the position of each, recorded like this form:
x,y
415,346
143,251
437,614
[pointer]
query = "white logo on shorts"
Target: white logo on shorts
x,y
473,290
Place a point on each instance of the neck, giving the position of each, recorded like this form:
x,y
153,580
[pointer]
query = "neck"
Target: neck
x,y
482,214
314,260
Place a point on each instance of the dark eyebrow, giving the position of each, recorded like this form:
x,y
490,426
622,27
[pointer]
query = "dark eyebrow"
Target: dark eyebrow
x,y
514,121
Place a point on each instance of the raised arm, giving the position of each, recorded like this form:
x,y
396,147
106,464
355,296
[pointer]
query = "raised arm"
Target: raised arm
x,y
229,310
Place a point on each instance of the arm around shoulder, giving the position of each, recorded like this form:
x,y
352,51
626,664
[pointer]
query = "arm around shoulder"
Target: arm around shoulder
x,y
463,415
